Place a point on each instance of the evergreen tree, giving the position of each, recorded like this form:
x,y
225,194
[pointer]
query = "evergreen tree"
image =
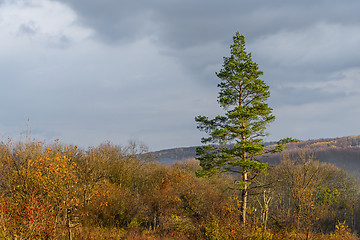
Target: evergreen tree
x,y
235,139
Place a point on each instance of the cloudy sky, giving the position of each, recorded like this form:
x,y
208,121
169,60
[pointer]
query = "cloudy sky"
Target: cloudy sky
x,y
89,71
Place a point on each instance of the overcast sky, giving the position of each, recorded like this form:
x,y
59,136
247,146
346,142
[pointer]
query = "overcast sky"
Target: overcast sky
x,y
89,71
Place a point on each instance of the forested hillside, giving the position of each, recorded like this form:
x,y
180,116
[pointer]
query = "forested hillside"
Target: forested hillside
x,y
343,152
171,156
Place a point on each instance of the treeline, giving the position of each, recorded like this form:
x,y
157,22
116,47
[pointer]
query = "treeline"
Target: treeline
x,y
112,192
343,152
326,143
171,156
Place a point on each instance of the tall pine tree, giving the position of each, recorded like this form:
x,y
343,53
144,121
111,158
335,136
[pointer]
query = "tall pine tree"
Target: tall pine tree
x,y
235,139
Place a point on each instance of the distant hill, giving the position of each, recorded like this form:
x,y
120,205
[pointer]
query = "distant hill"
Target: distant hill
x,y
171,156
343,152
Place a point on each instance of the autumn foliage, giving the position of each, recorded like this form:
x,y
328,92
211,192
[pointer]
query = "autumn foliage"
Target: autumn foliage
x,y
52,191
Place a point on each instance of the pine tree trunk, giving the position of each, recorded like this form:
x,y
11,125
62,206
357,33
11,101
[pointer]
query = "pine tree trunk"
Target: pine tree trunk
x,y
244,199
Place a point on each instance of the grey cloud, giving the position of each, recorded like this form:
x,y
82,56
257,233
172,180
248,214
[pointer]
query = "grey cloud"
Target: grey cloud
x,y
28,28
337,117
151,68
188,30
114,21
291,86
61,41
187,23
296,96
319,48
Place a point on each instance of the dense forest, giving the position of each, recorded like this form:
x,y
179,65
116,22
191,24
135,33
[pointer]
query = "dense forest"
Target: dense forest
x,y
55,191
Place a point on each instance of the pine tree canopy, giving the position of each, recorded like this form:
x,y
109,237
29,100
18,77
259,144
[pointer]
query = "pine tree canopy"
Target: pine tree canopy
x,y
235,138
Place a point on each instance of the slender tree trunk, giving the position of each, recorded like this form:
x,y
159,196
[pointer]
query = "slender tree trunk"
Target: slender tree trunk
x,y
245,179
244,199
265,209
